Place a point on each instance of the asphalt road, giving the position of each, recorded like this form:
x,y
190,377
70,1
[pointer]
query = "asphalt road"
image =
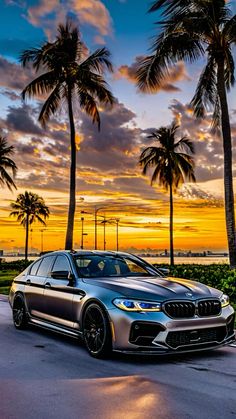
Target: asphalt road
x,y
47,376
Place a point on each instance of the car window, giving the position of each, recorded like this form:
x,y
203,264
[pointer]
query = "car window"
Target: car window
x,y
61,264
134,268
34,268
95,266
45,265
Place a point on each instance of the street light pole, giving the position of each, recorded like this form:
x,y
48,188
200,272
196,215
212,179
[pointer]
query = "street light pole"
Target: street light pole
x,y
117,234
82,232
104,233
116,221
95,226
42,239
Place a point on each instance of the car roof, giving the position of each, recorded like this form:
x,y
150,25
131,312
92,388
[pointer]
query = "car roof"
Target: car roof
x,y
87,252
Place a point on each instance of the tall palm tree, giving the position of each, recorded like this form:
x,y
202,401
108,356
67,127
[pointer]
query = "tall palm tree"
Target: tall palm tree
x,y
191,29
172,163
70,79
6,163
28,208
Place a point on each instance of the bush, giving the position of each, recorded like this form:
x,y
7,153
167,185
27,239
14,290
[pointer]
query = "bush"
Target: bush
x,y
215,275
8,271
17,265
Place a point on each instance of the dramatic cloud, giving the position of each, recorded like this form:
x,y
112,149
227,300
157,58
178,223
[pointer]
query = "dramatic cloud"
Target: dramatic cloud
x,y
48,14
196,192
208,147
13,76
22,120
176,73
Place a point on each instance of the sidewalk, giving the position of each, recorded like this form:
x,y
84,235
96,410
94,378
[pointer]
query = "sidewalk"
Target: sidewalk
x,y
3,297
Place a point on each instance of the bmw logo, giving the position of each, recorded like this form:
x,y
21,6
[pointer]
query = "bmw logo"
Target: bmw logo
x,y
188,294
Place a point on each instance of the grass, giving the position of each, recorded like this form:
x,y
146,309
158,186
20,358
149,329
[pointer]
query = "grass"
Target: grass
x,y
6,278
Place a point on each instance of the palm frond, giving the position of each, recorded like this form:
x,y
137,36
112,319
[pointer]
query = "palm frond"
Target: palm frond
x,y
7,163
95,85
229,30
229,69
171,162
206,93
50,106
88,104
41,85
169,48
185,144
98,61
29,206
168,6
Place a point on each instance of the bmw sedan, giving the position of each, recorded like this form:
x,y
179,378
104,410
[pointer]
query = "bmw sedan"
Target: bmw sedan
x,y
117,301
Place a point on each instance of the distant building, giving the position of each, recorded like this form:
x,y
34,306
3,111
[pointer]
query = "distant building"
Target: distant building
x,y
1,252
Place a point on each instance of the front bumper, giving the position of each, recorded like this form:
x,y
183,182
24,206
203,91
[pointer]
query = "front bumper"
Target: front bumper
x,y
156,333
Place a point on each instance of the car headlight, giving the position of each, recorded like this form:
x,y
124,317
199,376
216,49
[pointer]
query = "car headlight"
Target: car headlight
x,y
127,304
224,299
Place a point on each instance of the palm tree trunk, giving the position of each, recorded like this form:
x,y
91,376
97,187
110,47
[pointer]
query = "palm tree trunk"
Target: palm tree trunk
x,y
228,176
71,211
171,227
26,236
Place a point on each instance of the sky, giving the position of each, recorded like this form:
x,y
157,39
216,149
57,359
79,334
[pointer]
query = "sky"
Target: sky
x,y
108,174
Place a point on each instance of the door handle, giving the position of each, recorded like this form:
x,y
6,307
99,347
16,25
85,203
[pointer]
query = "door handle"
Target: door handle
x,y
28,281
47,285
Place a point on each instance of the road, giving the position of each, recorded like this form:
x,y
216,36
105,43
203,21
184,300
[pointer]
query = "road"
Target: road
x,y
47,376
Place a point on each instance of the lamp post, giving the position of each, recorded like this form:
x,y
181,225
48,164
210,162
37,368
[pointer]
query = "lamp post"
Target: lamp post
x,y
95,227
42,231
31,235
82,228
117,233
82,232
104,231
116,221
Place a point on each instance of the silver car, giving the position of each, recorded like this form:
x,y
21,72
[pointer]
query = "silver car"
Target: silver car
x,y
117,301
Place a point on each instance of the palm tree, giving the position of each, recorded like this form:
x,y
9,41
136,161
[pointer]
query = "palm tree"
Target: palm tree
x,y
172,165
28,208
6,163
69,78
192,29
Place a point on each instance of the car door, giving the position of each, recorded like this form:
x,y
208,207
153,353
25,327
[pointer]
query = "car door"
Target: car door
x,y
58,293
34,288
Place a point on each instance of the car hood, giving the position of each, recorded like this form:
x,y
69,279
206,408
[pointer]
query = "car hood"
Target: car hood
x,y
155,287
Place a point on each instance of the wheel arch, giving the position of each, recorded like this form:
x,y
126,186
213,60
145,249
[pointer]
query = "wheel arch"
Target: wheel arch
x,y
99,303
21,295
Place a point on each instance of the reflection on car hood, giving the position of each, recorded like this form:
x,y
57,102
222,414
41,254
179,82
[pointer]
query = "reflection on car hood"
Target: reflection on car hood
x,y
155,287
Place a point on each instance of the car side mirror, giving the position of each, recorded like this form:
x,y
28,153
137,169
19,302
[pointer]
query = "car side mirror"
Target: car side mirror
x,y
71,278
60,274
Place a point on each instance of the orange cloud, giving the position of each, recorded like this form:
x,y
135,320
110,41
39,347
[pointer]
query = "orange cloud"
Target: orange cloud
x,y
48,14
176,73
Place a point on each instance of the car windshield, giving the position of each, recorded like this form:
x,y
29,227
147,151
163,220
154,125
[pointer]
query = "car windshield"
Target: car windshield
x,y
98,266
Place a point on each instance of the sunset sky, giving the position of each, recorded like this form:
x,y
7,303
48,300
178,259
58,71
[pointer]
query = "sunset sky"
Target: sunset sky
x,y
108,175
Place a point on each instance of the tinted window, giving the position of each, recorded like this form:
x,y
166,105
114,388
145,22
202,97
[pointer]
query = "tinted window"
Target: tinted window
x,y
34,268
134,268
45,266
95,266
61,264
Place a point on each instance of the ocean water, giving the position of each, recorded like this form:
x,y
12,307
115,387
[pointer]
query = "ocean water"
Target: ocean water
x,y
165,260
189,260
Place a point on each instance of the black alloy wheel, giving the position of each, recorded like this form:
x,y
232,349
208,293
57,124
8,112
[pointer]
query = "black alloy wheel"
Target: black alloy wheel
x,y
97,332
19,313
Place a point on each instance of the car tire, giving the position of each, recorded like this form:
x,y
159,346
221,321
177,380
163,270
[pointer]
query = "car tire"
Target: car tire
x,y
19,313
97,331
